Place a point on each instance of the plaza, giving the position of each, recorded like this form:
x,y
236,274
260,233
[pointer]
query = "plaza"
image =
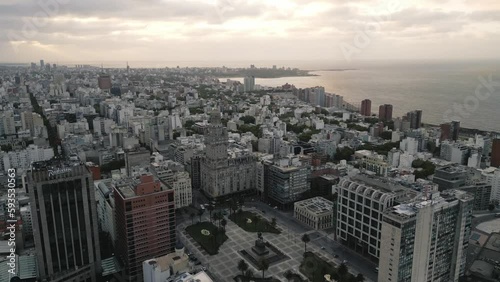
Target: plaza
x,y
223,266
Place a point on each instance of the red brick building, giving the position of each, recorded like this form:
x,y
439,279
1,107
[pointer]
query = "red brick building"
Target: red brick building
x,y
385,112
495,153
145,222
95,170
104,82
366,108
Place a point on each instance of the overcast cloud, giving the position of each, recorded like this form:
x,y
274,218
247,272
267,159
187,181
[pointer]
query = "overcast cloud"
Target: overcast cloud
x,y
211,30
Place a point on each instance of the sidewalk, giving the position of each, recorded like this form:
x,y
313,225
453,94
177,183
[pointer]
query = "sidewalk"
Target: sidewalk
x,y
224,265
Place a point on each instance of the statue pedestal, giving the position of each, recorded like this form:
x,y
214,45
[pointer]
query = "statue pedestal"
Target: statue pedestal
x,y
260,248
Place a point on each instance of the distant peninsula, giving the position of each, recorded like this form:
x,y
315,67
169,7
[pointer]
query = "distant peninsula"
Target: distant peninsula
x,y
337,70
261,72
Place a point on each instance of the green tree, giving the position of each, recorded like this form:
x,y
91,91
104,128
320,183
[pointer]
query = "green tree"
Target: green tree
x,y
288,275
491,207
6,148
241,201
344,153
305,238
248,119
273,222
342,271
387,135
263,265
360,278
242,266
192,215
210,208
200,213
189,124
223,222
248,273
232,206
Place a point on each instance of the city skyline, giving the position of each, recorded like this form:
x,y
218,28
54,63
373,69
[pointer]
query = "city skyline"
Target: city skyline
x,y
61,30
229,140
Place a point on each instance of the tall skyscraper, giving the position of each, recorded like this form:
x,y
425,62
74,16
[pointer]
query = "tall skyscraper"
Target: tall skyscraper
x,y
495,153
287,181
385,112
320,96
145,222
42,64
361,202
450,131
455,130
224,170
426,240
64,221
366,108
104,82
419,118
414,118
249,83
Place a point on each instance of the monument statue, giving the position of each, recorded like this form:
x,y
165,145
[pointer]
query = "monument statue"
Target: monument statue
x,y
260,246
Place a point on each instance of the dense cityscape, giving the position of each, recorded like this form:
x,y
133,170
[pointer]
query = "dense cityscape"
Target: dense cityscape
x,y
181,174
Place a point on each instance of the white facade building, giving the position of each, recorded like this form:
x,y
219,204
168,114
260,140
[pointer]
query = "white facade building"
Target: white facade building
x,y
27,221
22,159
492,176
409,145
315,212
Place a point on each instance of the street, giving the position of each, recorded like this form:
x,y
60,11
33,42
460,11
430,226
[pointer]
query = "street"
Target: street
x,y
294,230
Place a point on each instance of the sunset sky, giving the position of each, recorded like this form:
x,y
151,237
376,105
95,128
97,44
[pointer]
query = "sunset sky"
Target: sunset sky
x,y
211,30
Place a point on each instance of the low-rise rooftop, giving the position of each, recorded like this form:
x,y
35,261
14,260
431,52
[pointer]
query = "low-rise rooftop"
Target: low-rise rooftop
x,y
316,205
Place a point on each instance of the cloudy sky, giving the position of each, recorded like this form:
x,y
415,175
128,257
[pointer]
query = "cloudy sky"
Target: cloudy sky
x,y
232,30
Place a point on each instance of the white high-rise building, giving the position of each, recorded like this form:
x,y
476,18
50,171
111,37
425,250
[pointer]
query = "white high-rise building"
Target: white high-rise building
x,y
361,202
409,145
249,84
170,174
393,157
492,176
7,123
105,207
426,240
22,159
27,221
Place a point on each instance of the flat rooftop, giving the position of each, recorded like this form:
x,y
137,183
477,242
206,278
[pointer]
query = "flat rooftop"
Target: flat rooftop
x,y
55,164
452,169
407,210
380,183
316,205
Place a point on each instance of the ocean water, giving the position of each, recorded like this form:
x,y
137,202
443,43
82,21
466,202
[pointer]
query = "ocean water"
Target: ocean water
x,y
444,91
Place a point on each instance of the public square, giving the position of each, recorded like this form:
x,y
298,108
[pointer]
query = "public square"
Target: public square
x,y
223,266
